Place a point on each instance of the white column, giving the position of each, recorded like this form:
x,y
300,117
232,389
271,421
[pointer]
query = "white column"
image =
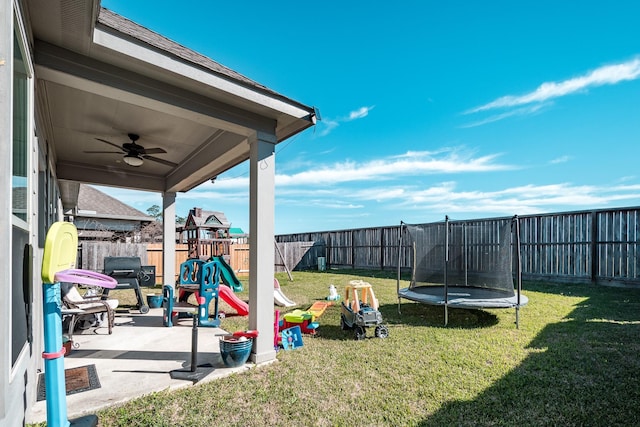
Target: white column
x,y
169,239
261,250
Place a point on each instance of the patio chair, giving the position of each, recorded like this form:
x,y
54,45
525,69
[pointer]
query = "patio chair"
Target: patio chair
x,y
78,306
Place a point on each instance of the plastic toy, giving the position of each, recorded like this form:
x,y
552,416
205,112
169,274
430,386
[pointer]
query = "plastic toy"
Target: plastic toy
x,y
276,329
318,308
247,334
333,294
279,298
292,338
196,277
303,319
360,310
58,260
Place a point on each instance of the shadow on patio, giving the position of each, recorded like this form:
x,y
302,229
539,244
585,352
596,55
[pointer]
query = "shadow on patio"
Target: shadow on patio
x,y
138,359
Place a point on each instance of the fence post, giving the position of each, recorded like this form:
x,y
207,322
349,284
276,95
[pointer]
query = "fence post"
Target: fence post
x,y
595,262
353,251
382,248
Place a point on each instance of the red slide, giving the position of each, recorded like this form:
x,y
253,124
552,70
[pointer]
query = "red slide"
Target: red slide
x,y
230,298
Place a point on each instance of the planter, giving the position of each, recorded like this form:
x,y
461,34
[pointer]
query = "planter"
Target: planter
x,y
154,301
235,351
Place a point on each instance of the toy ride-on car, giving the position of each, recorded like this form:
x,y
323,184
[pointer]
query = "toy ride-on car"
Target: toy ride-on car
x,y
360,310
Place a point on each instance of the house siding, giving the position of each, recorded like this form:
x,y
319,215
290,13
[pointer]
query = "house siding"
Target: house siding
x,y
21,327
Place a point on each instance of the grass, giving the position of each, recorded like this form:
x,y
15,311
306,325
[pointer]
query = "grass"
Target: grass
x,y
573,362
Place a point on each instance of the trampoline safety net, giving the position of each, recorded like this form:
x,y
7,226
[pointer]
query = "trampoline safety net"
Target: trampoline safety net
x,y
462,255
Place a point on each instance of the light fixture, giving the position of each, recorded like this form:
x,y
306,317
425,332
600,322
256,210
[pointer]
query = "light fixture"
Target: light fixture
x,y
133,160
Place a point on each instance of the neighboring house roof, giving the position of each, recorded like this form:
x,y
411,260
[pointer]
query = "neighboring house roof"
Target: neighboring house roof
x,y
95,234
94,203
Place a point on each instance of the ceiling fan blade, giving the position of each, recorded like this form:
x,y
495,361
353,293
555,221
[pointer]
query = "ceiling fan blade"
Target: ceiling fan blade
x,y
153,151
156,159
112,144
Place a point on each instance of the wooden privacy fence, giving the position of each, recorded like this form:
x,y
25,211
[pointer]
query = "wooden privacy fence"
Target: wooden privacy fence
x,y
297,255
238,258
91,254
599,246
292,256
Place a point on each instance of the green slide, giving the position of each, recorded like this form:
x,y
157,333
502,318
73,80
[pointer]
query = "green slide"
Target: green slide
x,y
228,277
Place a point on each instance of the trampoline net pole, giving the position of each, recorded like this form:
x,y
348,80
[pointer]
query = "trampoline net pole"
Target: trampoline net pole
x,y
466,255
400,229
446,268
518,269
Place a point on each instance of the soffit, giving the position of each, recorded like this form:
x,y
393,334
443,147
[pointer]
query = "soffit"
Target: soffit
x,y
96,83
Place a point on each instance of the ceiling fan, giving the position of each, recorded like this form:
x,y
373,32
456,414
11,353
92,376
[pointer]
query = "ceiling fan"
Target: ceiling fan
x,y
135,154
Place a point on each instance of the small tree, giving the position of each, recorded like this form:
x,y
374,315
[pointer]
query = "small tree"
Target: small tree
x,y
155,212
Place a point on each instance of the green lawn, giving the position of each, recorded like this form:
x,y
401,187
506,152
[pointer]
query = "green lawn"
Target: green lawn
x,y
573,361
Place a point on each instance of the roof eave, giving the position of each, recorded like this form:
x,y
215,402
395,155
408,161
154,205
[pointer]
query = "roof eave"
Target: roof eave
x,y
124,37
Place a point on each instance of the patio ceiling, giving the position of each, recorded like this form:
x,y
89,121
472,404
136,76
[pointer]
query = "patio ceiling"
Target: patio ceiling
x,y
101,77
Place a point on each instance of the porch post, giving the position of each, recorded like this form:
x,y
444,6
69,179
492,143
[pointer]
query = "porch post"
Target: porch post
x,y
261,251
169,239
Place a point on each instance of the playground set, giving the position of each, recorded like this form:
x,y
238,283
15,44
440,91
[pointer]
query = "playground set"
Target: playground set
x,y
208,281
202,280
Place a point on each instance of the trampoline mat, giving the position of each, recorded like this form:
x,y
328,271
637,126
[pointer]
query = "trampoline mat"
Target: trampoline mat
x,y
463,297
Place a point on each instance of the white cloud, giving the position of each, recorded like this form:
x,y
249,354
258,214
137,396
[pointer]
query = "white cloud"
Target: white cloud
x,y
606,75
360,113
337,205
561,159
403,185
445,198
416,154
526,199
328,125
421,163
524,111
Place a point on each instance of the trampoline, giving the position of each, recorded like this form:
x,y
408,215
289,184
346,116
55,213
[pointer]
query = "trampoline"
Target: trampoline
x,y
464,264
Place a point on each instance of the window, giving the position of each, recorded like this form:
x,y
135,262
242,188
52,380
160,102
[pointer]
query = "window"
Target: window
x,y
20,177
22,186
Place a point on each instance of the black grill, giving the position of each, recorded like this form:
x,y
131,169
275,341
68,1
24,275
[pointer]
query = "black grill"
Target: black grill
x,y
127,271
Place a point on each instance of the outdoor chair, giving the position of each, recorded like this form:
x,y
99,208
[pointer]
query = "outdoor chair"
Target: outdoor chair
x,y
79,307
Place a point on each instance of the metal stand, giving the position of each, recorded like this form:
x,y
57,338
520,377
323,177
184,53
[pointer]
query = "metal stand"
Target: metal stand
x,y
196,372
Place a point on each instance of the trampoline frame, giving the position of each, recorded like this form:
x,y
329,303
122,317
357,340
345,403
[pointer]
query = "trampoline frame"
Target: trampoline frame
x,y
465,297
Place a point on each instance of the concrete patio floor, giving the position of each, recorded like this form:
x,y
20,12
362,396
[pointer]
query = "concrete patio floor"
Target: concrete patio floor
x,y
137,359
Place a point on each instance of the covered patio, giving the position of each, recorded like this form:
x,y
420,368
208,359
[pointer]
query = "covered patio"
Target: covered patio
x,y
136,360
120,105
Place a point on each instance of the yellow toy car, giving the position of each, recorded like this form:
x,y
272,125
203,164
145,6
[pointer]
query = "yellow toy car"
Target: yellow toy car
x,y
360,310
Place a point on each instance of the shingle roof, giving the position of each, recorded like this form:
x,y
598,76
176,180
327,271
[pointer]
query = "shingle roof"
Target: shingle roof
x,y
91,200
214,219
153,39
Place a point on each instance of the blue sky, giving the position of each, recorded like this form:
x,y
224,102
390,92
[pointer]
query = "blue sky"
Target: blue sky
x,y
429,108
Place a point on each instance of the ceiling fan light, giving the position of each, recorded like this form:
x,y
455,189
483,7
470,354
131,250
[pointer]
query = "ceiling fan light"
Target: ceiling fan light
x,y
132,160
